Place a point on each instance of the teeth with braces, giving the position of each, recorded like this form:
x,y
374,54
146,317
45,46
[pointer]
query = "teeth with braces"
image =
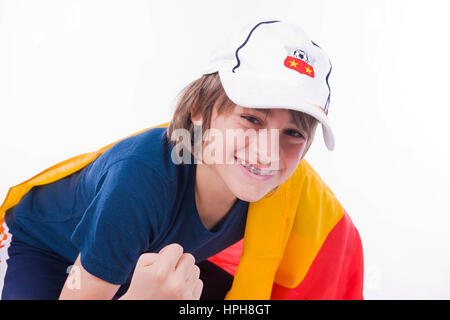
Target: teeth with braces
x,y
254,170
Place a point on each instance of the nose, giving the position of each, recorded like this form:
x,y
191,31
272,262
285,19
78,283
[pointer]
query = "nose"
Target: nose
x,y
264,151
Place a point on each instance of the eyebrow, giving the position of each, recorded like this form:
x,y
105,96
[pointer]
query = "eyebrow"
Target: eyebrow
x,y
265,111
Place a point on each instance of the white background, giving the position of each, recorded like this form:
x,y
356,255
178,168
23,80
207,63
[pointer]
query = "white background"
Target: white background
x,y
78,75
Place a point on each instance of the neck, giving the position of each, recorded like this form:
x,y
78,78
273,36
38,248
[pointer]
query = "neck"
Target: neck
x,y
212,197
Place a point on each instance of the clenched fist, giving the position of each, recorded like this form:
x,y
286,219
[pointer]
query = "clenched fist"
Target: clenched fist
x,y
169,274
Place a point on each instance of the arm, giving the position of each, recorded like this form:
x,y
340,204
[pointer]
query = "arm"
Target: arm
x,y
80,284
169,274
114,231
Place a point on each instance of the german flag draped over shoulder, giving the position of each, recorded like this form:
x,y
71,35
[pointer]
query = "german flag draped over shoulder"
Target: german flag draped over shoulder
x,y
299,242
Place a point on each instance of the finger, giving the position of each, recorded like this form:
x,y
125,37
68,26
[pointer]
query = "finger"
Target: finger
x,y
192,281
147,259
194,274
169,256
197,291
184,265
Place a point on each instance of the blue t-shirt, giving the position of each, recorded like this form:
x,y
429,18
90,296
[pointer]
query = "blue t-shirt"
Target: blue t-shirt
x,y
131,199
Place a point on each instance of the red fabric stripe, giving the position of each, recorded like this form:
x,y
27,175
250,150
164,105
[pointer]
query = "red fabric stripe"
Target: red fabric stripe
x,y
336,272
228,259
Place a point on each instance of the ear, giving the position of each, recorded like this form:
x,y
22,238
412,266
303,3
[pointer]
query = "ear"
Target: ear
x,y
196,119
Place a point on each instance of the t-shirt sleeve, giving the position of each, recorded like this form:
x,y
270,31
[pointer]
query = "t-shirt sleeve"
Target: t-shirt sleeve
x,y
120,221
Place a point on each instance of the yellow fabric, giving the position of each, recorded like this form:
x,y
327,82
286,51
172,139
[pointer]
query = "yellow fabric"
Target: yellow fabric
x,y
283,234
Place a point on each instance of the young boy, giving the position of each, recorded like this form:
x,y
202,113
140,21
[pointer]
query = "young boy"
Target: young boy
x,y
141,219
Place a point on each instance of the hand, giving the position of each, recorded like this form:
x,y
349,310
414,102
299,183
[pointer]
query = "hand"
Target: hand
x,y
169,274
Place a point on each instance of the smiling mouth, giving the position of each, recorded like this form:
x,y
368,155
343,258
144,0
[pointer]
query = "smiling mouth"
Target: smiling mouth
x,y
254,170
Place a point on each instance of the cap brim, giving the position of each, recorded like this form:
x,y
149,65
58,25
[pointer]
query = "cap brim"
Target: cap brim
x,y
252,92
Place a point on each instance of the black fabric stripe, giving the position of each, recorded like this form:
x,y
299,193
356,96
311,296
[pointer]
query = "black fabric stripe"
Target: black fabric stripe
x,y
329,90
326,78
315,44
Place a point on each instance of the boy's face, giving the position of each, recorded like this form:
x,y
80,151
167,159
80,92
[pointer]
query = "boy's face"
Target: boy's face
x,y
240,136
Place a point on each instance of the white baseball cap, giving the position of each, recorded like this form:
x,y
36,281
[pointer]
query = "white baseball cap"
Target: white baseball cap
x,y
274,64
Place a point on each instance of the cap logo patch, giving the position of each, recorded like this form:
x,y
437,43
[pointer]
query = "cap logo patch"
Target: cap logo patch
x,y
300,54
299,62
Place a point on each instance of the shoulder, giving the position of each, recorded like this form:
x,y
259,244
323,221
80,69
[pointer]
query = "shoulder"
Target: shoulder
x,y
145,154
305,175
150,146
141,167
313,196
324,199
319,215
133,170
323,237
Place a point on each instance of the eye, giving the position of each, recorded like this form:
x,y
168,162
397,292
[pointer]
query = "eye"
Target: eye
x,y
252,119
294,133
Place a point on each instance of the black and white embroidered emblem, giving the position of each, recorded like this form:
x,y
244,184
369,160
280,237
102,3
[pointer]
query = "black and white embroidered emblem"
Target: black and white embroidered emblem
x,y
300,54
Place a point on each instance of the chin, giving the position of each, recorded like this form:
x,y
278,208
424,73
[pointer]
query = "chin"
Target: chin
x,y
245,195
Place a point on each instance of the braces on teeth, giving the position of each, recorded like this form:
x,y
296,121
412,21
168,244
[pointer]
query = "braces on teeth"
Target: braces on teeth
x,y
254,170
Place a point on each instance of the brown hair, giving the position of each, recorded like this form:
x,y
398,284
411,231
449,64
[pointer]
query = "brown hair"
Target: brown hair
x,y
201,95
